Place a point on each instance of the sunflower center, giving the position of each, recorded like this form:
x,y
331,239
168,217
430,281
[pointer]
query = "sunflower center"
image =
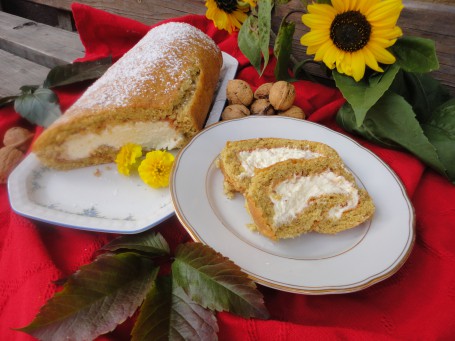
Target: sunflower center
x,y
350,31
227,6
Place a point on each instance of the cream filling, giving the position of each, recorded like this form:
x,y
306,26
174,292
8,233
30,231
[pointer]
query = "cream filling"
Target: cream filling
x,y
292,196
150,135
265,157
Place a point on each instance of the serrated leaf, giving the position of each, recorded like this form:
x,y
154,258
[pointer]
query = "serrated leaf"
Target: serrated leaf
x,y
150,242
95,299
440,130
76,72
248,39
364,94
215,282
282,49
392,123
415,54
169,314
424,93
39,107
265,27
254,36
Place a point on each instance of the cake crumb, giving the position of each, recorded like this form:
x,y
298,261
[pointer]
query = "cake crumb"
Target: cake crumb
x,y
97,172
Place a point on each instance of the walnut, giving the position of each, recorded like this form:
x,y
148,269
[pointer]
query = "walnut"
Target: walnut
x,y
9,158
263,91
234,111
239,92
293,111
282,95
262,107
18,137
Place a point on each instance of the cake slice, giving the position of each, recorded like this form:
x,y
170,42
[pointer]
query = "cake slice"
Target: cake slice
x,y
157,95
294,197
239,160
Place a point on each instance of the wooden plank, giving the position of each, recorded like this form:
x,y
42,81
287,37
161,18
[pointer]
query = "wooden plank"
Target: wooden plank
x,y
16,72
42,44
429,18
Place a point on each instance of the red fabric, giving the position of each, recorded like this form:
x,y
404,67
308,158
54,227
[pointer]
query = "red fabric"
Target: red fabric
x,y
418,302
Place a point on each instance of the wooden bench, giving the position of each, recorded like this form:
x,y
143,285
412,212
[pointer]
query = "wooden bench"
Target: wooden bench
x,y
28,50
424,18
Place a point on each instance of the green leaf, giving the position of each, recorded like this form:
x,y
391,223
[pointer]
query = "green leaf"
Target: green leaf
x,y
6,100
364,94
248,41
440,130
392,123
76,72
169,314
96,298
283,48
265,27
415,54
254,36
150,242
422,91
39,106
215,282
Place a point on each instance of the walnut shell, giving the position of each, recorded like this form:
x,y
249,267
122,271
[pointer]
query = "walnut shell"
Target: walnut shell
x,y
282,95
262,107
263,91
9,158
293,111
234,111
18,137
239,92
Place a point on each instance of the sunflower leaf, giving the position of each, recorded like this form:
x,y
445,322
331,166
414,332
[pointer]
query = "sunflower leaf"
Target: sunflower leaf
x,y
265,26
364,94
169,314
76,72
96,298
248,41
423,92
39,106
392,123
215,282
282,49
440,130
415,54
152,243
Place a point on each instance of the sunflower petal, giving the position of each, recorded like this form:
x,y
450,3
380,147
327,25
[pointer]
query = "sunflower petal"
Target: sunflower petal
x,y
370,60
322,50
358,65
322,9
330,56
314,37
384,9
339,5
381,54
387,33
316,21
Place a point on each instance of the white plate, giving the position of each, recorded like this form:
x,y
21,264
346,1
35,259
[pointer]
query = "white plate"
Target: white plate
x,y
312,263
98,198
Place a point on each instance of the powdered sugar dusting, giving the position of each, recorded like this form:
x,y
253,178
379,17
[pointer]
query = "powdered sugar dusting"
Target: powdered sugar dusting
x,y
160,48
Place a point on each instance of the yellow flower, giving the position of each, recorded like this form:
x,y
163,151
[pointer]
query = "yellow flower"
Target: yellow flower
x,y
155,169
127,157
228,14
353,34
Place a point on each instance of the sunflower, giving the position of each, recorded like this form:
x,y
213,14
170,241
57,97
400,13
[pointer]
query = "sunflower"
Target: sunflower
x,y
352,34
228,14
